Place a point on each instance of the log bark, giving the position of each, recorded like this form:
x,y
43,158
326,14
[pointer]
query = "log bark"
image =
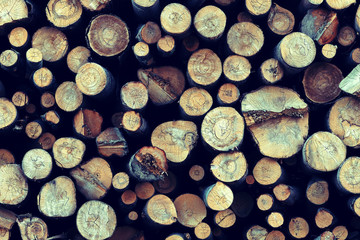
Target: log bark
x,y
204,68
236,69
280,20
96,220
190,210
210,22
279,128
87,123
148,164
32,227
63,14
68,97
176,139
68,152
107,35
195,102
165,84
93,179
321,25
245,39
324,152
52,43
34,61
111,142
175,19
7,218
36,164
229,167
77,57
243,204
218,196
57,198
223,129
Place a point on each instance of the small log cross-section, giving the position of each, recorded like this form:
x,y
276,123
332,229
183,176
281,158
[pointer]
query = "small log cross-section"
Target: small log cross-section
x,y
107,35
18,37
95,5
68,152
111,142
318,192
267,171
278,120
210,22
204,67
218,196
344,121
175,19
280,20
229,167
37,164
225,218
236,68
323,151
148,164
13,184
160,210
298,227
245,39
321,82
96,220
190,209
57,198
63,13
8,113
68,96
165,84
176,138
348,175
134,95
77,57
195,102
93,179
52,43
32,227
12,11
223,128
271,71
256,232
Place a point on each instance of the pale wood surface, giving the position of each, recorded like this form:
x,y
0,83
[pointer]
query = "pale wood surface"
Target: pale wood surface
x,y
77,57
229,167
348,175
210,22
8,113
68,152
68,96
37,164
111,142
12,11
175,19
236,68
190,209
32,227
161,210
63,13
195,101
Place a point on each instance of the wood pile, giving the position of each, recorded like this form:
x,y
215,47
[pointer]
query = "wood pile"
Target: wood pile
x,y
195,119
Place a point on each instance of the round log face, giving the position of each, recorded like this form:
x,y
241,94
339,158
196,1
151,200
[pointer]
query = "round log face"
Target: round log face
x,y
96,220
229,167
8,113
77,57
344,121
196,101
57,198
278,120
267,171
210,22
225,219
298,228
63,13
52,43
256,232
318,192
12,10
13,184
348,175
236,68
245,39
297,50
223,128
37,164
323,151
108,35
68,152
161,210
91,79
18,37
68,96
190,210
176,138
175,19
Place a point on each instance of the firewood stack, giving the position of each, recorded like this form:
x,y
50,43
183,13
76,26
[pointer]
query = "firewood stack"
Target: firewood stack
x,y
195,119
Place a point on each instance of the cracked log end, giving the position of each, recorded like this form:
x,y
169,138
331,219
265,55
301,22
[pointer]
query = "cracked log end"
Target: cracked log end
x,y
277,119
148,164
111,142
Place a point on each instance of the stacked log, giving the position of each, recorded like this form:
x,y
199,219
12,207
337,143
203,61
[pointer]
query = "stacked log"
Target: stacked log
x,y
158,119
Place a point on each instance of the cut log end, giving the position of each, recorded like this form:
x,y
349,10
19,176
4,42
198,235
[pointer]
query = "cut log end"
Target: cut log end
x,y
63,14
258,8
18,37
68,152
318,192
195,101
175,19
348,175
218,196
161,210
265,202
32,227
134,95
271,71
323,218
236,68
267,171
43,78
229,167
121,181
37,164
88,123
8,112
225,219
68,96
111,142
298,228
210,22
13,185
77,57
280,20
190,209
197,173
202,231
